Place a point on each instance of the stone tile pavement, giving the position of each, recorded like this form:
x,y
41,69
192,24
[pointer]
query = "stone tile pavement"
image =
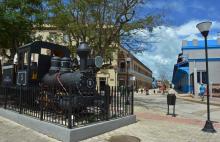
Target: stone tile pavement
x,y
13,132
153,127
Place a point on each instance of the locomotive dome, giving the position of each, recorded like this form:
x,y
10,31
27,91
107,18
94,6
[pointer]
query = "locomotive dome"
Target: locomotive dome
x,y
83,49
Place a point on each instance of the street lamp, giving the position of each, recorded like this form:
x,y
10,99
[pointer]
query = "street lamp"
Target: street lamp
x,y
204,29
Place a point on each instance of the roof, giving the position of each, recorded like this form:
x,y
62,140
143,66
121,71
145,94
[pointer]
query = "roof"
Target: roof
x,y
130,54
37,45
201,44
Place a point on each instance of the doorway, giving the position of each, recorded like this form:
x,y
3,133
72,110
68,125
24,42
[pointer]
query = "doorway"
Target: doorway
x,y
102,83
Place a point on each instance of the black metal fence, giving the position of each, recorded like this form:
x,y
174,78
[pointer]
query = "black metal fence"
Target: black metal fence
x,y
66,108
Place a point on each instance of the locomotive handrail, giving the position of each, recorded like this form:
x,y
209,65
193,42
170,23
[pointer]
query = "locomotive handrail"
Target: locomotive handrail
x,y
58,79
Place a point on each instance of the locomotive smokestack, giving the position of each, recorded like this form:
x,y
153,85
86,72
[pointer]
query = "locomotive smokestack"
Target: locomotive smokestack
x,y
83,51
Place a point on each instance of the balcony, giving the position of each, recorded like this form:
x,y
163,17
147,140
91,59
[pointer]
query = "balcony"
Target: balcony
x,y
134,73
122,70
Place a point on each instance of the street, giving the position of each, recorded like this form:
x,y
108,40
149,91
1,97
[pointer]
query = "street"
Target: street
x,y
153,125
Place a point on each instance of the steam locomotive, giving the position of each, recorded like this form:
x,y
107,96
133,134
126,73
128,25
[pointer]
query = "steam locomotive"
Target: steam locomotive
x,y
46,65
50,64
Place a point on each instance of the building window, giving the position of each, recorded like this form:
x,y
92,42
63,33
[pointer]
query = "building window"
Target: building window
x,y
204,77
198,77
201,77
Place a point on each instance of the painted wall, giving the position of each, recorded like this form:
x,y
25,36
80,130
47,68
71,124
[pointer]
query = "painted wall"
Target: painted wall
x,y
214,69
200,54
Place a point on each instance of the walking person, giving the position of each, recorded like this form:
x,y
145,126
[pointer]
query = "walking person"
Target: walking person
x,y
202,91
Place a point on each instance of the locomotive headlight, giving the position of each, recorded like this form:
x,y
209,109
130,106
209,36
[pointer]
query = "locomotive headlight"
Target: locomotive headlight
x,y
98,61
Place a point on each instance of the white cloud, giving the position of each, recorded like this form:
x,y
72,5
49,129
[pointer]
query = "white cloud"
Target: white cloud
x,y
216,25
163,58
187,29
190,27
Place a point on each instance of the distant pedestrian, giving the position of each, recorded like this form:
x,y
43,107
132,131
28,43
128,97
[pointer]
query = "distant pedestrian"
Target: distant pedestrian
x,y
202,91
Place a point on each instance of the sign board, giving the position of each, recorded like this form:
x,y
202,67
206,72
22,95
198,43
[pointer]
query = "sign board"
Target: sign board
x,y
8,74
22,78
216,90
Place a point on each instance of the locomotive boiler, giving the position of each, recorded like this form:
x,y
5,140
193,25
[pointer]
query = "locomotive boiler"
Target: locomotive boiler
x,y
82,81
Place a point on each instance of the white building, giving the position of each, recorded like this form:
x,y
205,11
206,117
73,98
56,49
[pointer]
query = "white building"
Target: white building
x,y
190,69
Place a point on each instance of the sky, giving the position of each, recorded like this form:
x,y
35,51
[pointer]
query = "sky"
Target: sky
x,y
179,23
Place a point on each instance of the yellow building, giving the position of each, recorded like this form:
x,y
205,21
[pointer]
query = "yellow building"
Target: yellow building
x,y
125,70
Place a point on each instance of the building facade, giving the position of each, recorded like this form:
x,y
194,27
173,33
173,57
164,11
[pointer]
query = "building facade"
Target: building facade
x,y
125,70
190,70
132,72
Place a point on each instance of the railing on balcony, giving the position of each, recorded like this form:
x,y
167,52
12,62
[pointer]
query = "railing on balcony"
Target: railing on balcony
x,y
122,70
133,72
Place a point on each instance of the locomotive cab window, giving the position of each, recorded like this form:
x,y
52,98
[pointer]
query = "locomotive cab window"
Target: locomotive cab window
x,y
23,60
34,58
45,51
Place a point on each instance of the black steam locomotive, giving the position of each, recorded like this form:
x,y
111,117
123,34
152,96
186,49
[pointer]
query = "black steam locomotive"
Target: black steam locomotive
x,y
47,65
50,64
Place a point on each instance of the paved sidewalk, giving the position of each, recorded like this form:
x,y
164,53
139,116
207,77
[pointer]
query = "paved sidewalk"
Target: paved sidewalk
x,y
152,127
13,132
213,100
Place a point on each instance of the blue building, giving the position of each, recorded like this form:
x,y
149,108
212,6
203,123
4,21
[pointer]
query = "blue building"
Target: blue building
x,y
190,69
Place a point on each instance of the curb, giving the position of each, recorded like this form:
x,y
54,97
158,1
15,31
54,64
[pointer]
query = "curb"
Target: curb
x,y
65,134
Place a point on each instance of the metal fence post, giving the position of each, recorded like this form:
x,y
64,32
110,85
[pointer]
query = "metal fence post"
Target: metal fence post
x,y
132,100
6,97
20,99
107,95
70,113
41,105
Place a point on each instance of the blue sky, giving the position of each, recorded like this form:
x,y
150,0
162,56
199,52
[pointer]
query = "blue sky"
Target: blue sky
x,y
180,19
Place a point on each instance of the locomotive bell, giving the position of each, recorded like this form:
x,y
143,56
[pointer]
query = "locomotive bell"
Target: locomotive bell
x,y
65,65
55,64
83,51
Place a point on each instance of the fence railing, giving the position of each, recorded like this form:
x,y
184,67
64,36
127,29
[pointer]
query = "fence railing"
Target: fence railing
x,y
68,108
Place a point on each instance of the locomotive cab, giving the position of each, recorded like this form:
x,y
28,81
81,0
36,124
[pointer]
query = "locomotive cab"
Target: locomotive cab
x,y
33,61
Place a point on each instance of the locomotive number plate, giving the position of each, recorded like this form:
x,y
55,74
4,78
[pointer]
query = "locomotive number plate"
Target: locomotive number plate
x,y
90,83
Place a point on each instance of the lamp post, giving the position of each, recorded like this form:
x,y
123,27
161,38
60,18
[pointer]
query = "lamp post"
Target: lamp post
x,y
128,60
204,29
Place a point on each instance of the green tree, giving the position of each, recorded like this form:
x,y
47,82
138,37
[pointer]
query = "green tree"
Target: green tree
x,y
101,23
17,20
